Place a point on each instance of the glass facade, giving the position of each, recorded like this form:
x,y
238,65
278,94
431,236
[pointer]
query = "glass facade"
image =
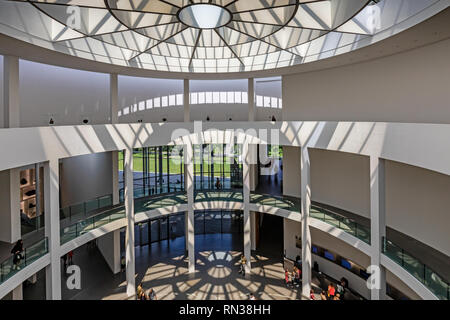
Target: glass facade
x,y
217,167
157,170
173,226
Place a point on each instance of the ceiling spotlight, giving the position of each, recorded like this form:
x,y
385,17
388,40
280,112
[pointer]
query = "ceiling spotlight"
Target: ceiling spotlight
x,y
51,122
164,119
85,121
207,118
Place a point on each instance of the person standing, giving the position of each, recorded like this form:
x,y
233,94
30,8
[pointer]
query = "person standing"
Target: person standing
x,y
70,258
17,254
242,262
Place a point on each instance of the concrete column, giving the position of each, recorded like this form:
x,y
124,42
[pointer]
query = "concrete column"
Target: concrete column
x,y
186,102
114,118
306,234
114,98
109,246
52,229
10,205
33,278
253,229
251,100
17,293
253,166
38,194
11,104
129,234
115,177
377,227
189,216
246,193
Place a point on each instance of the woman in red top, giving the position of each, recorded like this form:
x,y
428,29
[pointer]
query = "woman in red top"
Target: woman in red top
x,y
331,291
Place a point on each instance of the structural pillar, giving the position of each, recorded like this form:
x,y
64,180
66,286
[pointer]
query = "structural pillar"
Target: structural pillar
x,y
11,104
129,211
186,102
246,193
189,215
109,246
306,234
37,178
10,230
377,283
52,229
251,100
114,118
17,293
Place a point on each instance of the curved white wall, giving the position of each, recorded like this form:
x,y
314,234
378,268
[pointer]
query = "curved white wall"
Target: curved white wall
x,y
407,87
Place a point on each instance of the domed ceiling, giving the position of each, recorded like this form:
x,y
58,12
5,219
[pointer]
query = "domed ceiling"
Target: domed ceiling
x,y
201,36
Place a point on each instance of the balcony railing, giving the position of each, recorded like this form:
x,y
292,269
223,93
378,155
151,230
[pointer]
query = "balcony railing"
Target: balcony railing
x,y
29,254
418,269
82,209
116,213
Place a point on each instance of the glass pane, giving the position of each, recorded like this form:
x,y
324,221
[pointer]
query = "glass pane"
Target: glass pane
x,y
163,229
213,222
154,230
144,233
137,236
199,223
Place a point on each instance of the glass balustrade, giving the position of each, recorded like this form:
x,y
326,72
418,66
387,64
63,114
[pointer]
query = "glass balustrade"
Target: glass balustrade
x,y
80,210
140,205
29,255
293,204
418,269
227,196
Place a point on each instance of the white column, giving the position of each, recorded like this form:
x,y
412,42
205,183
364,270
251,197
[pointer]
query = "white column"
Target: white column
x,y
52,229
10,205
253,166
109,246
186,102
115,177
129,234
306,235
246,193
11,104
38,193
377,226
253,229
189,216
114,118
17,293
251,100
114,98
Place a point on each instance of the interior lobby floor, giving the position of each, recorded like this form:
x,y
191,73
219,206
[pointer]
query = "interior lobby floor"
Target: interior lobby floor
x,y
163,267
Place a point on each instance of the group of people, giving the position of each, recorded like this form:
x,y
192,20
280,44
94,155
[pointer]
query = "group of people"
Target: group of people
x,y
334,292
293,278
142,295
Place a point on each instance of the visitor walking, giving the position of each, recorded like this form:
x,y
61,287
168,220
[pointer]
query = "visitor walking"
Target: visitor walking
x,y
17,254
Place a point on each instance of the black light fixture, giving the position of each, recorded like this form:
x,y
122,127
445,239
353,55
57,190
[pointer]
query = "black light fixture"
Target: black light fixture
x,y
164,119
140,121
273,119
85,121
51,122
207,118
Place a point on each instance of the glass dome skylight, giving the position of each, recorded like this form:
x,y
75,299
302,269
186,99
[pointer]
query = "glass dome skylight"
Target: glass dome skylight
x,y
204,16
209,36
